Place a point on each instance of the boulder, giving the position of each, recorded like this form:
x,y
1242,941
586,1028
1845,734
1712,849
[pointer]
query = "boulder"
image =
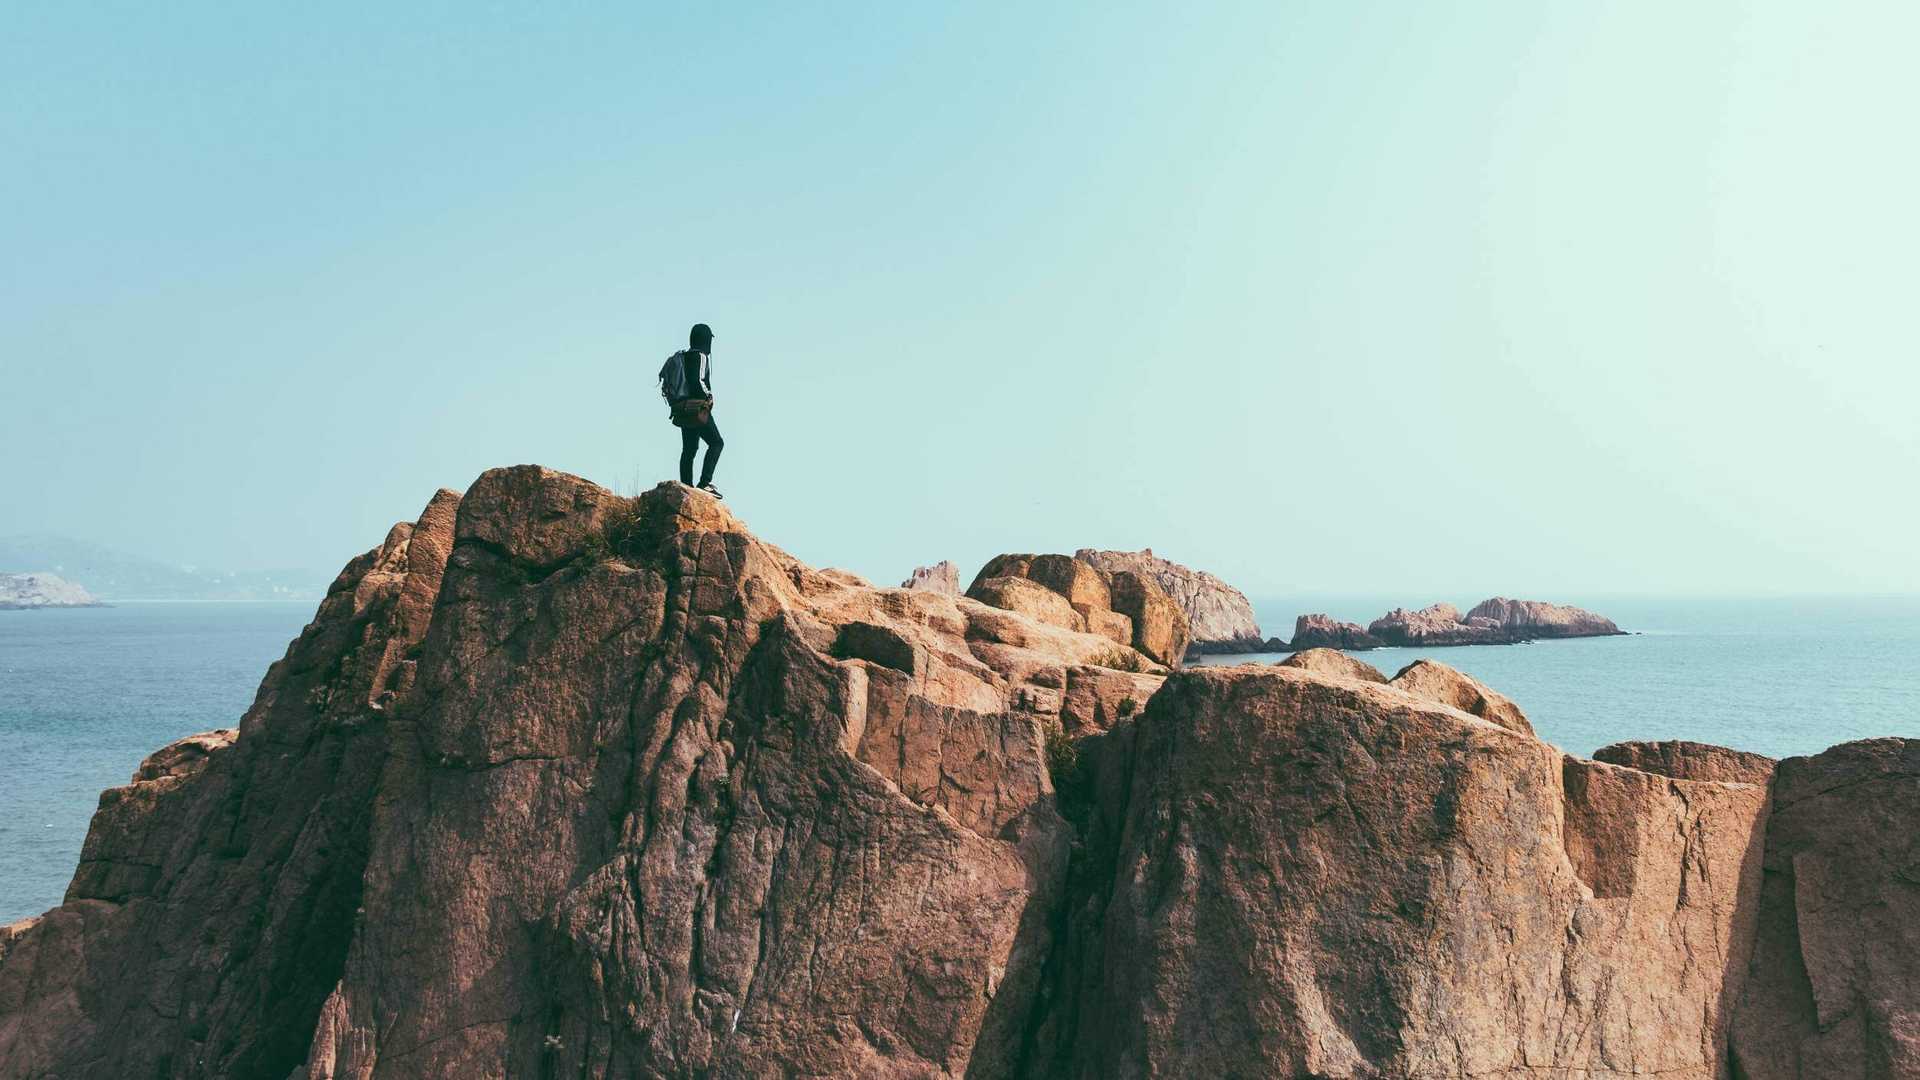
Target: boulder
x,y
1684,760
1124,607
1316,876
1083,586
1159,626
941,577
1834,987
1029,598
1326,632
1219,616
1333,662
1438,682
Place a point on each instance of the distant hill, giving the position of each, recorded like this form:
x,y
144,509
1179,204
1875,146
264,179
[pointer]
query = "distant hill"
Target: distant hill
x,y
112,575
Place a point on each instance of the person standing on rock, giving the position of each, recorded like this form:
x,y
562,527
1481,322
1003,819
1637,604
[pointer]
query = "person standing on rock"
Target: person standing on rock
x,y
686,381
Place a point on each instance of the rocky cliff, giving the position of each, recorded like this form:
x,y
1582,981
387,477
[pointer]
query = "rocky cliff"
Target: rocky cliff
x,y
28,591
1219,616
941,577
563,784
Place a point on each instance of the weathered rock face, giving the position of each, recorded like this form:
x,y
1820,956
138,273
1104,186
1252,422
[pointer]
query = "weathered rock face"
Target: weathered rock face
x,y
1219,616
1438,682
1128,609
1333,662
941,577
573,784
1538,619
1685,760
1326,632
1834,990
563,784
207,919
1319,877
26,591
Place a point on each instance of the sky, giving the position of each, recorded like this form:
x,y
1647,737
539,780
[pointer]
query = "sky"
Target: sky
x,y
1540,299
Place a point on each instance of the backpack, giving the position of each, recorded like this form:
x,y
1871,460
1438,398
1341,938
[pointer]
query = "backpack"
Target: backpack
x,y
673,378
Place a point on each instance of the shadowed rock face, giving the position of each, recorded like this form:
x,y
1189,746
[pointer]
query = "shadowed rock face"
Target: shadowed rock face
x,y
1834,990
563,784
207,919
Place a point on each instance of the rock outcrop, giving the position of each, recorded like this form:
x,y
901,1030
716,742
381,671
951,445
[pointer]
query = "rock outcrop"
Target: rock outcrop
x,y
1311,876
558,783
1125,607
1498,621
1436,624
1438,682
563,783
1333,662
1219,616
1685,760
1537,619
941,577
31,591
1834,988
1326,632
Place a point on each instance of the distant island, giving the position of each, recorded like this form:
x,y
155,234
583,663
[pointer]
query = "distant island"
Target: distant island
x,y
112,575
1498,621
28,592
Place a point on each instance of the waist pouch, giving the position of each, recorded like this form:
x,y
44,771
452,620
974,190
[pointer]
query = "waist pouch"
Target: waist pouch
x,y
692,412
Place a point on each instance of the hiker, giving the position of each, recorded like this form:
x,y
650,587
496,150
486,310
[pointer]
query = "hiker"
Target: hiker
x,y
686,381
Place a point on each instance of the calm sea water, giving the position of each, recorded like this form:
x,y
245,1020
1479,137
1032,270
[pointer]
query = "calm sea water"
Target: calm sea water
x,y
86,694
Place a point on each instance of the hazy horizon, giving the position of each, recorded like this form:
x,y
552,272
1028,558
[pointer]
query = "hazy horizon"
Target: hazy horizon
x,y
1365,299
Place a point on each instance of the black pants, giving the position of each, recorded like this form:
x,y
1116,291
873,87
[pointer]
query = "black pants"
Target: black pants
x,y
690,444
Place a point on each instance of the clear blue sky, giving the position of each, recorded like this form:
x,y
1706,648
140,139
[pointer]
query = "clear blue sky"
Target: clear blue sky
x,y
1541,299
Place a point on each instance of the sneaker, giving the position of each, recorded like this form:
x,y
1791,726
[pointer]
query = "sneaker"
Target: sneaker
x,y
711,490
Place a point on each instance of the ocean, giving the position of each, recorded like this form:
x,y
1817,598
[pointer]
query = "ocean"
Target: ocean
x,y
86,694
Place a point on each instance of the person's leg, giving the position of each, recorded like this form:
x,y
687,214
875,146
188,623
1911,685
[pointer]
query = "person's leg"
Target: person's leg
x,y
710,432
689,445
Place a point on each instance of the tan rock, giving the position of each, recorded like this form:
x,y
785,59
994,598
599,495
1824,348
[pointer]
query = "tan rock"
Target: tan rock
x,y
1111,625
1321,877
1159,626
1028,598
1684,760
1333,662
1537,619
1097,698
1325,632
1219,616
1834,988
941,577
1083,586
1438,682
